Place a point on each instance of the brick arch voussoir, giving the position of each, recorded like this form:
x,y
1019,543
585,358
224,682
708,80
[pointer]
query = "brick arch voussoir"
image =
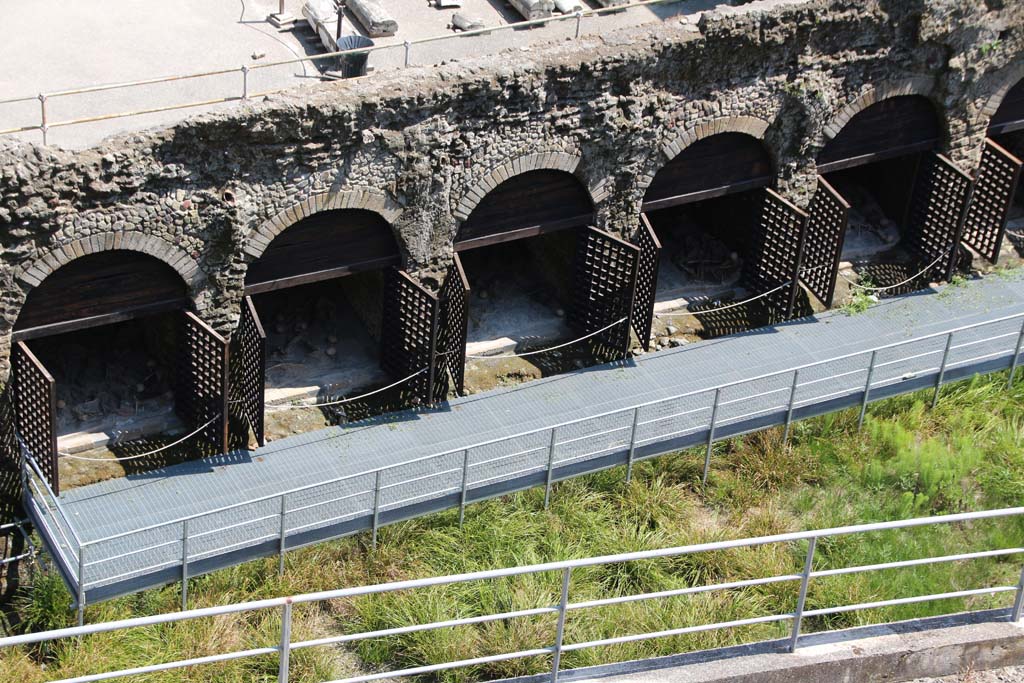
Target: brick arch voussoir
x,y
1011,76
350,197
919,85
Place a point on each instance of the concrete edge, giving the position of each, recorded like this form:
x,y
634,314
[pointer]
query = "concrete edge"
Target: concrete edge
x,y
933,647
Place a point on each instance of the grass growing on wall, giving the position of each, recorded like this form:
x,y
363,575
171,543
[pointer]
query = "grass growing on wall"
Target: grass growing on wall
x,y
968,454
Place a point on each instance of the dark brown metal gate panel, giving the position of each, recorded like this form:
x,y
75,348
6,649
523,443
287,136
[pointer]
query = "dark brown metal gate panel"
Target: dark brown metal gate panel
x,y
35,411
646,281
604,290
823,247
455,323
937,212
776,251
409,336
248,372
202,393
994,188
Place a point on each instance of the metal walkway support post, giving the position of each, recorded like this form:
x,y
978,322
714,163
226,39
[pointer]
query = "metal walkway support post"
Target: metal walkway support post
x,y
465,483
376,506
632,445
285,648
792,402
802,599
81,585
711,437
1016,357
184,565
563,607
942,370
551,466
867,390
281,542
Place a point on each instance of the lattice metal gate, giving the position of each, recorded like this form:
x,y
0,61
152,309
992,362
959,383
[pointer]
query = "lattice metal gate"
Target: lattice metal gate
x,y
646,281
409,337
454,326
201,395
823,246
994,188
776,253
35,411
248,373
604,289
937,210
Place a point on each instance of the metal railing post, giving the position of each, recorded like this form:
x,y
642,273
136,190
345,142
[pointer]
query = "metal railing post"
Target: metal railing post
x,y
81,585
184,565
711,436
632,445
942,370
867,390
1016,357
792,401
285,647
465,483
1018,599
376,506
579,22
802,599
551,466
408,50
282,542
245,81
563,604
43,126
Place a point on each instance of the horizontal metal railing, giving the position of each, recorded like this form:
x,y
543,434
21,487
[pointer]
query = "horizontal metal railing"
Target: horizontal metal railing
x,y
45,124
565,606
278,515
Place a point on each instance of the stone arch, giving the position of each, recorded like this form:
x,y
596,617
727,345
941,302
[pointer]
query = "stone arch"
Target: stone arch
x,y
349,198
60,255
1013,75
568,162
750,125
919,85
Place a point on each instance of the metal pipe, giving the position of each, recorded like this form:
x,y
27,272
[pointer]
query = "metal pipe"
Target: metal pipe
x,y
556,658
80,607
43,126
284,651
711,436
376,507
551,466
579,22
184,565
245,82
465,482
942,370
792,402
867,390
408,50
1018,599
802,598
282,541
1016,357
632,445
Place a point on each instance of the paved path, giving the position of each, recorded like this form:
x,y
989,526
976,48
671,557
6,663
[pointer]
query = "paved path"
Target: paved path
x,y
417,484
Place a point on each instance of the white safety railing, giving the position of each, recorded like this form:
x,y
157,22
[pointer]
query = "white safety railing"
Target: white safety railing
x,y
710,413
566,606
245,72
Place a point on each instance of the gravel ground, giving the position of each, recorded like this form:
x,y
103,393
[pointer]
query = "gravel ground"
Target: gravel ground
x,y
1013,674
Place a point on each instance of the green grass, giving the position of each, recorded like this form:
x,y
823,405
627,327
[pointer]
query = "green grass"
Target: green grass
x,y
909,460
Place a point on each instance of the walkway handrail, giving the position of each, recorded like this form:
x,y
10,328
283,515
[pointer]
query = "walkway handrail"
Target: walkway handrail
x,y
480,444
245,69
565,567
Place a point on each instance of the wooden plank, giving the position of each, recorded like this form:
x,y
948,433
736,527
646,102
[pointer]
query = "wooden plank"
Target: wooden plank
x,y
712,167
100,288
528,204
324,246
909,123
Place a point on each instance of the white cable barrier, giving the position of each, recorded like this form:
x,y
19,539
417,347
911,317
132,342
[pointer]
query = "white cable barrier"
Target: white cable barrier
x,y
147,453
289,406
551,348
555,648
898,284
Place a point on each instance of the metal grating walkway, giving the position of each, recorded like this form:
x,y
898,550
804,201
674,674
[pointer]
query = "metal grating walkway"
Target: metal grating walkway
x,y
125,535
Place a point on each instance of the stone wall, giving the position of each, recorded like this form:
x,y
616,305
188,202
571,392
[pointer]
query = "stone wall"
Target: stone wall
x,y
422,146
